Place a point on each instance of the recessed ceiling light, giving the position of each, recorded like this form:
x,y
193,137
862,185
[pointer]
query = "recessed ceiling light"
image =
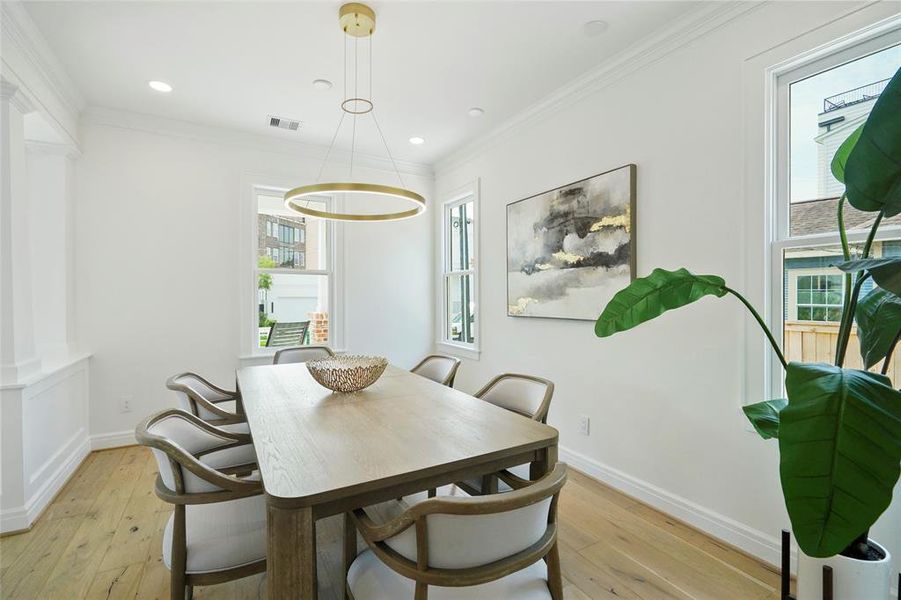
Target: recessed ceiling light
x,y
160,86
416,140
475,111
322,84
595,28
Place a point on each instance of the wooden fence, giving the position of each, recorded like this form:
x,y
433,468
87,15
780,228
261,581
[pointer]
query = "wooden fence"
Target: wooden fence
x,y
815,342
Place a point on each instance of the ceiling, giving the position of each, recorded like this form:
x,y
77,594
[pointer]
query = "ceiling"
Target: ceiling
x,y
234,63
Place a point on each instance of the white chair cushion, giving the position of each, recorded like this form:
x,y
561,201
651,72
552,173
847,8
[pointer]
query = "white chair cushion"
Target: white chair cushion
x,y
513,393
437,369
460,541
222,535
300,355
235,427
369,579
230,457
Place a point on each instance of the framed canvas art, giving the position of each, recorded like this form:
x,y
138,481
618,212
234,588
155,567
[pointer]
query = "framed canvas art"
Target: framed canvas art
x,y
569,250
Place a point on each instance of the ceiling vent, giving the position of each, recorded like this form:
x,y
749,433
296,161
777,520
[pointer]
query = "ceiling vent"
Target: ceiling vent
x,y
284,123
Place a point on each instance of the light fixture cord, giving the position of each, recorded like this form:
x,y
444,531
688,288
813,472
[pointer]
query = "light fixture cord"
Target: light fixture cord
x,y
353,137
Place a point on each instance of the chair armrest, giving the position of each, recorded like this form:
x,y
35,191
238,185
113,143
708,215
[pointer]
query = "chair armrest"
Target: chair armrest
x,y
373,532
225,416
515,482
235,436
253,488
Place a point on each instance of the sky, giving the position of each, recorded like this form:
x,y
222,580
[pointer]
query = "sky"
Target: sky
x,y
807,102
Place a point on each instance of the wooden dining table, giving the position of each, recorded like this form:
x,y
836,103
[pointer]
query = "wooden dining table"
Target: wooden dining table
x,y
322,453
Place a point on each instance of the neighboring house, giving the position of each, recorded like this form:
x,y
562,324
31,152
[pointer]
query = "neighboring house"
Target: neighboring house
x,y
813,287
842,114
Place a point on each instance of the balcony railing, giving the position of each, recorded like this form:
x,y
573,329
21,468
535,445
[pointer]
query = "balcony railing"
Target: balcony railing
x,y
855,96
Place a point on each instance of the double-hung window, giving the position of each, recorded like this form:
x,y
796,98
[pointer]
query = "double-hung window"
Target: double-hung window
x,y
293,270
459,265
818,105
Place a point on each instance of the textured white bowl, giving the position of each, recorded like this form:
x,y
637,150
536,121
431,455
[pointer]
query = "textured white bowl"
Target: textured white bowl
x,y
347,373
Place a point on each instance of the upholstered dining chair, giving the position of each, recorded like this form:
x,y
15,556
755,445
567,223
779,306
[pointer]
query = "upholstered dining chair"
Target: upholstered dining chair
x,y
210,402
452,548
301,354
439,368
526,395
217,531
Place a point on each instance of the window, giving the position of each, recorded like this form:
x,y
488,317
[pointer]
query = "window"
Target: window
x,y
818,105
459,271
293,272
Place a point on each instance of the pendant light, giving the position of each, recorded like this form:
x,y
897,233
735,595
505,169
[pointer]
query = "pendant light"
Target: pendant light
x,y
357,21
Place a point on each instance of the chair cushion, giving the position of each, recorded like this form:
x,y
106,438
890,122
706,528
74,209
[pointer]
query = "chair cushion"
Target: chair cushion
x,y
222,535
234,427
385,511
370,579
230,457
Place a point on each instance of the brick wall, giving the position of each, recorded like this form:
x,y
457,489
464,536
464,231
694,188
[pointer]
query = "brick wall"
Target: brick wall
x,y
318,327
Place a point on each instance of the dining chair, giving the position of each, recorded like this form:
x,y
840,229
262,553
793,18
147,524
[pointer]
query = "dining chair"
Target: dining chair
x,y
461,548
210,402
301,354
217,530
526,395
439,368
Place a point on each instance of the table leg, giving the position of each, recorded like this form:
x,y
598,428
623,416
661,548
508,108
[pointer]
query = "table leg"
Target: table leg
x,y
544,462
291,554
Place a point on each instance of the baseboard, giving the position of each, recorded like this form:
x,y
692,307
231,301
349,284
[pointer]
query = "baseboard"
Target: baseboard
x,y
754,542
21,518
117,439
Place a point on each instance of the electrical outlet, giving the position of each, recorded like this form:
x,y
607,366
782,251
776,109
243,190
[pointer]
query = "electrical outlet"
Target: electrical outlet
x,y
585,425
125,404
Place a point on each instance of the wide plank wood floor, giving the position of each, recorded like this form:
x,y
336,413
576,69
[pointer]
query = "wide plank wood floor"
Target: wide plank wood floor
x,y
101,538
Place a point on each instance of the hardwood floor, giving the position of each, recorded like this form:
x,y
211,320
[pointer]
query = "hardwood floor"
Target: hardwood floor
x,y
101,538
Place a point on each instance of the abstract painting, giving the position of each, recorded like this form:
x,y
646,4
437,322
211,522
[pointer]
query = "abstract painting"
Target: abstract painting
x,y
571,249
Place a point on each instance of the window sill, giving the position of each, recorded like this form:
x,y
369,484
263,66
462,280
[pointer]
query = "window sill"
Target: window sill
x,y
458,350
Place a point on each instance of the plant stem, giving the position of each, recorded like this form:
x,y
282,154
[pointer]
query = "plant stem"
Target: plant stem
x,y
891,350
846,253
844,330
851,308
760,322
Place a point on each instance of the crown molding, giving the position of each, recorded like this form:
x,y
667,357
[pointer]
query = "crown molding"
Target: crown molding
x,y
51,149
27,55
698,23
123,119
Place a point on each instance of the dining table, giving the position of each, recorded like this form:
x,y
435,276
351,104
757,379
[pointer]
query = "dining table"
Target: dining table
x,y
322,453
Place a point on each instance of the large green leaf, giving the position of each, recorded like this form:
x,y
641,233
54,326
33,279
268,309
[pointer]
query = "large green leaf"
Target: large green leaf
x,y
649,297
886,272
764,416
873,169
840,446
878,317
844,151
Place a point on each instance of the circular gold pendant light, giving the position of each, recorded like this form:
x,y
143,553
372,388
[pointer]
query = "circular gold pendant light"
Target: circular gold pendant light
x,y
357,21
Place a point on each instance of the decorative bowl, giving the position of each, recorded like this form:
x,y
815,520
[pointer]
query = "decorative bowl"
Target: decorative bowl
x,y
347,373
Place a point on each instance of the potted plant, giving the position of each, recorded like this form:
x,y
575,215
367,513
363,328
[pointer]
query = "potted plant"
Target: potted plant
x,y
839,430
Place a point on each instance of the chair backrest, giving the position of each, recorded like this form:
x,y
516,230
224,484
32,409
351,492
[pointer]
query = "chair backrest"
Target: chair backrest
x,y
191,388
477,538
301,354
287,334
438,367
524,394
176,438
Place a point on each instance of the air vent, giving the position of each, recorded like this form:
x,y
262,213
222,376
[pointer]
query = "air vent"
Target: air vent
x,y
284,123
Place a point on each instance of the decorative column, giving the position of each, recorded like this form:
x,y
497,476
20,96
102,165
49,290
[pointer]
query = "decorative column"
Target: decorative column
x,y
18,357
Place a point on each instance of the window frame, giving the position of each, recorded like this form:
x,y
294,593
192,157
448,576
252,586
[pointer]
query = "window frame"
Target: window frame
x,y
777,219
462,195
254,186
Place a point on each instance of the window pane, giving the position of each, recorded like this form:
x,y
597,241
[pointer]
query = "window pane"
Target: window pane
x,y
460,306
460,237
296,242
824,110
296,305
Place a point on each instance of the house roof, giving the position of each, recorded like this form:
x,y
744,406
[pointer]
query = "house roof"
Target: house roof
x,y
819,216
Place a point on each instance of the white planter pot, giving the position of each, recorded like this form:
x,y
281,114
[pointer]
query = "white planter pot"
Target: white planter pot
x,y
852,579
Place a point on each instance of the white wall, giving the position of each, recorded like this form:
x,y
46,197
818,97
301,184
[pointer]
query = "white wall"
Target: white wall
x,y
158,277
664,399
